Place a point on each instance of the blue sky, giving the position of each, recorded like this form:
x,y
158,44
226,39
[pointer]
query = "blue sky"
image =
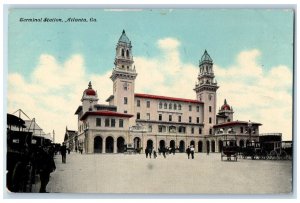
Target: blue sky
x,y
50,64
223,32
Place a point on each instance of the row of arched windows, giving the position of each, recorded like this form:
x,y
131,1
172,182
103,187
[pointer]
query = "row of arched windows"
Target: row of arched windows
x,y
169,106
123,53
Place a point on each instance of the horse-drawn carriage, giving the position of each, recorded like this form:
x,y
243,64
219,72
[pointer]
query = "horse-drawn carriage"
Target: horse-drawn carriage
x,y
272,150
278,150
229,150
19,155
23,148
254,150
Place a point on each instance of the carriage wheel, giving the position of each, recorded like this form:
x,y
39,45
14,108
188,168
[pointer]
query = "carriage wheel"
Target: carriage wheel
x,y
283,155
273,155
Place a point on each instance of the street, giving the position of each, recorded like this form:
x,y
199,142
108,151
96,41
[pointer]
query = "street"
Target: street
x,y
206,174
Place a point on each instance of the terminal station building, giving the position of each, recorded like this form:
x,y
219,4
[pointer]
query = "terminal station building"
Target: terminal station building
x,y
146,120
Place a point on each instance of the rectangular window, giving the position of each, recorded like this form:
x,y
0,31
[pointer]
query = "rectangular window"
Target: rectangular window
x,y
190,107
121,123
98,121
170,117
198,108
138,116
150,128
209,108
179,118
113,122
125,111
148,116
209,119
242,130
148,104
210,131
198,120
125,100
192,130
159,117
138,103
200,131
190,119
160,128
107,122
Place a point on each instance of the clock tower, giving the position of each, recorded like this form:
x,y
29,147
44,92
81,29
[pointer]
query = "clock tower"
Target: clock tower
x,y
123,76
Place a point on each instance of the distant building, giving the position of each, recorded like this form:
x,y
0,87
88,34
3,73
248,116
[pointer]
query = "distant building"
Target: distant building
x,y
145,120
71,139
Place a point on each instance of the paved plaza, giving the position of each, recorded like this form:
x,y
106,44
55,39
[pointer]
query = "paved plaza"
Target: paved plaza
x,y
206,174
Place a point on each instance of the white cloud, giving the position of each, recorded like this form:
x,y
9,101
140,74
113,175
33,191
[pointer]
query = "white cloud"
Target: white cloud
x,y
54,90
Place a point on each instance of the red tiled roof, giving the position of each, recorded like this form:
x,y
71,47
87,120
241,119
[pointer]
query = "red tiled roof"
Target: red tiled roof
x,y
235,123
104,113
149,96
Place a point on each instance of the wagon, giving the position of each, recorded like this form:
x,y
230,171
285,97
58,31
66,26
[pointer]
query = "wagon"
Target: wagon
x,y
229,150
255,150
278,150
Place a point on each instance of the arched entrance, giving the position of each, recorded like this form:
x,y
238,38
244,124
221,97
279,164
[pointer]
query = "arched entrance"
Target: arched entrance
x,y
247,142
172,144
241,143
213,146
192,143
98,144
162,144
120,145
207,146
109,145
220,145
200,146
137,142
150,144
181,146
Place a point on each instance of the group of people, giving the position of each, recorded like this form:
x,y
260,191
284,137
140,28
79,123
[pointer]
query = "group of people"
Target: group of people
x,y
149,151
190,151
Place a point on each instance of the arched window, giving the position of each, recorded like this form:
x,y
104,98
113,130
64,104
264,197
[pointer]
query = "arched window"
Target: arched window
x,y
175,106
160,105
165,106
170,106
179,107
127,53
122,52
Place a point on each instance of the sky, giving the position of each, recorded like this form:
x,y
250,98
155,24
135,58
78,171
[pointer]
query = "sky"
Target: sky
x,y
51,63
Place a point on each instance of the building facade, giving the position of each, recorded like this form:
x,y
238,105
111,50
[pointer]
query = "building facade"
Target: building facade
x,y
145,120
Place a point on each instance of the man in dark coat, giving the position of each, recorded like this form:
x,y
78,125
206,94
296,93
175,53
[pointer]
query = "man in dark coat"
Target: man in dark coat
x,y
46,166
63,152
146,152
188,151
150,152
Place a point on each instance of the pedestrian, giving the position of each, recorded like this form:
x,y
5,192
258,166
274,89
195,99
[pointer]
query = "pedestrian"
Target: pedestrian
x,y
146,152
63,152
173,149
164,151
207,151
192,151
188,151
46,166
80,150
154,153
150,152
